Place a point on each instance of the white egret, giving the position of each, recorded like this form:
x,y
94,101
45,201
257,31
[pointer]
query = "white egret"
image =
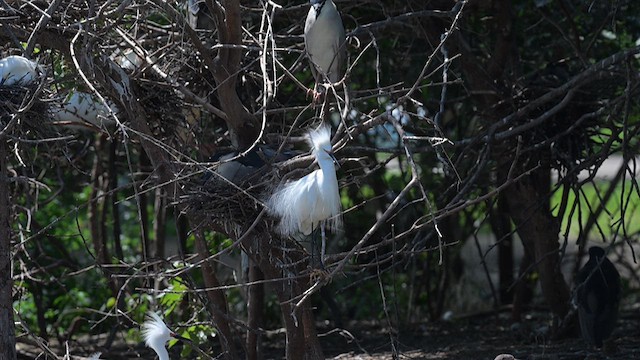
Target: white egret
x,y
156,334
80,108
302,204
18,70
598,297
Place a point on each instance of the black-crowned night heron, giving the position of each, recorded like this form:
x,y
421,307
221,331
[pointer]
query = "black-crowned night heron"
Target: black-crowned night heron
x,y
302,204
324,40
18,70
598,297
198,15
238,168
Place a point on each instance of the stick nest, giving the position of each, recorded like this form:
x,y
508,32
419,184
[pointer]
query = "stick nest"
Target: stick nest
x,y
216,199
26,112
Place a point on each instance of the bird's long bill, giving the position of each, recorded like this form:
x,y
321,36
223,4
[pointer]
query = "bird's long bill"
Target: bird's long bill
x,y
335,161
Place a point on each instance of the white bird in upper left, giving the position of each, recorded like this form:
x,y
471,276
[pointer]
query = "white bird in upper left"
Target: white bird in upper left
x,y
18,70
156,334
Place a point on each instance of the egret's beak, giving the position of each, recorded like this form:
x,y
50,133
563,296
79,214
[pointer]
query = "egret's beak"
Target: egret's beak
x,y
335,161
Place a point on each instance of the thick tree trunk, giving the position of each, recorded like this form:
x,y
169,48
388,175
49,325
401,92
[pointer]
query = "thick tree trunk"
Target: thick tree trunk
x,y
241,123
538,229
255,310
96,204
501,226
524,288
302,338
7,331
217,300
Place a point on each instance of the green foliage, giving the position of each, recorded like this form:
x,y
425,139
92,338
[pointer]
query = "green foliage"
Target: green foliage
x,y
620,211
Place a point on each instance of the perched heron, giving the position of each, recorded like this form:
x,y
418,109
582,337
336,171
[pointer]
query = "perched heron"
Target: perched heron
x,y
598,297
156,334
198,15
302,204
324,40
18,70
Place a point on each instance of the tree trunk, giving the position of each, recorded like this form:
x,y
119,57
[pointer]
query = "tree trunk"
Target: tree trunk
x,y
501,226
159,223
302,338
538,230
241,123
7,331
255,310
217,300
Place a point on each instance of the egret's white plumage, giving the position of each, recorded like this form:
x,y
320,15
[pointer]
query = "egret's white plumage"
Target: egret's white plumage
x,y
156,334
302,204
324,39
80,107
17,70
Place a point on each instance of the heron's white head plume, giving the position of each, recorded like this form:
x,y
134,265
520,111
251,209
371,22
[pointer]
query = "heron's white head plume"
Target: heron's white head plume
x,y
320,139
156,334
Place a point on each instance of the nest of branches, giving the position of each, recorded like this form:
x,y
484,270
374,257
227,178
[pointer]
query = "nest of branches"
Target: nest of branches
x,y
24,114
574,120
218,200
164,110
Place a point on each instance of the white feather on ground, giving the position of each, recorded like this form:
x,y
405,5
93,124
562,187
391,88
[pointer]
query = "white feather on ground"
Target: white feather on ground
x,y
302,204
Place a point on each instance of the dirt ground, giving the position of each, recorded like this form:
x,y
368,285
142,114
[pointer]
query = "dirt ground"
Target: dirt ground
x,y
477,337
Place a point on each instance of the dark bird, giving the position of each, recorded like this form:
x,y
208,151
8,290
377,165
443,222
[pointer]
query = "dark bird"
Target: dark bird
x,y
198,16
238,169
598,297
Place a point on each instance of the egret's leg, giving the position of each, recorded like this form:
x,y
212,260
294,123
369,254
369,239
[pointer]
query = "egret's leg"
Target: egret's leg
x,y
314,248
323,249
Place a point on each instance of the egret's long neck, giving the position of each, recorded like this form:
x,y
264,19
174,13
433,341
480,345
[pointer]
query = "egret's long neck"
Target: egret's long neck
x,y
328,167
162,352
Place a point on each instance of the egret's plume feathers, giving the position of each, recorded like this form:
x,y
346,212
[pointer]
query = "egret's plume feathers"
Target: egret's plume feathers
x,y
156,334
320,139
302,204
